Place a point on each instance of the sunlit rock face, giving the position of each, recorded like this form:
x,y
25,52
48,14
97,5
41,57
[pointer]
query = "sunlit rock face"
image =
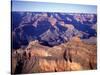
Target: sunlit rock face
x,y
53,42
74,55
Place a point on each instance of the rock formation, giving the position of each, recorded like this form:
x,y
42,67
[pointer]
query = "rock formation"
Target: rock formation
x,y
53,42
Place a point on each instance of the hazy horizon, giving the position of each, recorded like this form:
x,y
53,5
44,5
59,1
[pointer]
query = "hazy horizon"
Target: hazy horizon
x,y
52,7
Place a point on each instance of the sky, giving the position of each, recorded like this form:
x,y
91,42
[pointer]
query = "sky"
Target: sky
x,y
85,2
52,7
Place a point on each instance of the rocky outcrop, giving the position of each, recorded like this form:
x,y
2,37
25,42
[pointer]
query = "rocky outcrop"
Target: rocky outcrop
x,y
71,56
